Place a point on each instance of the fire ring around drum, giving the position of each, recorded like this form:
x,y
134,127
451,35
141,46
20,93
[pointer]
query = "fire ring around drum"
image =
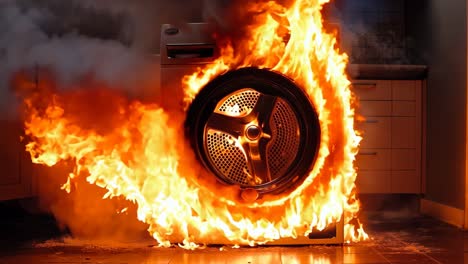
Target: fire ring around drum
x,y
262,122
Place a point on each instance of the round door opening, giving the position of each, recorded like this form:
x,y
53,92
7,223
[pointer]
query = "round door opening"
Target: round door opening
x,y
254,128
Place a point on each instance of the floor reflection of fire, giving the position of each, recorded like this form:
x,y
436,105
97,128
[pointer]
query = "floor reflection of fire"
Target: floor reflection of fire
x,y
139,152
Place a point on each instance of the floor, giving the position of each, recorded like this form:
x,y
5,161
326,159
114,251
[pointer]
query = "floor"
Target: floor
x,y
396,238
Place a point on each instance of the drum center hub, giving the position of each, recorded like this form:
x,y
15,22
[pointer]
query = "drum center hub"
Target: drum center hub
x,y
253,132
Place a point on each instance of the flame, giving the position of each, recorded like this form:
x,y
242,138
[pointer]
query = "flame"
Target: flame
x,y
141,154
311,59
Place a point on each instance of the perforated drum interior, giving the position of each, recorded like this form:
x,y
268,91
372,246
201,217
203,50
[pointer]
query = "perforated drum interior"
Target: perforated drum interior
x,y
254,128
227,153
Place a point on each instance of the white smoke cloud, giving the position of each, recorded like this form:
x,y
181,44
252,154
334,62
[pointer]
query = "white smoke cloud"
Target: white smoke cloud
x,y
18,31
110,40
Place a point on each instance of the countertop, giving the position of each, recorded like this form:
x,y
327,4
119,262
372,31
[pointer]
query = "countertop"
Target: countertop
x,y
387,71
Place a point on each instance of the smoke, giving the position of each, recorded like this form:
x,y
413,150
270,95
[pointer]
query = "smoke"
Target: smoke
x,y
36,36
110,42
372,32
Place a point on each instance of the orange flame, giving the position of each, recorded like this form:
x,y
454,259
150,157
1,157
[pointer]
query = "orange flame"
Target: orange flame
x,y
141,154
312,60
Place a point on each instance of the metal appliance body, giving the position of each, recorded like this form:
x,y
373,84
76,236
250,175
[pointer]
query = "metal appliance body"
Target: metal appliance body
x,y
183,48
251,127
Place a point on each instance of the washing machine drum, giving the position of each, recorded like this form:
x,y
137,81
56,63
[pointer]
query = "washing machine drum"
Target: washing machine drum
x,y
254,128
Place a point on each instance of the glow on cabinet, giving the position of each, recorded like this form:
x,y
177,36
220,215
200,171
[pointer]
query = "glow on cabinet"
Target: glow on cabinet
x,y
16,176
389,115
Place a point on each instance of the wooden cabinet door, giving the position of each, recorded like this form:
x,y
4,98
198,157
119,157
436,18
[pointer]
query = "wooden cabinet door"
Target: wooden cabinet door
x,y
389,117
16,167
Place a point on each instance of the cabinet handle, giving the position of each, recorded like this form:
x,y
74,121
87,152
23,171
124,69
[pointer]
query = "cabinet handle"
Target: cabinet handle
x,y
373,153
371,121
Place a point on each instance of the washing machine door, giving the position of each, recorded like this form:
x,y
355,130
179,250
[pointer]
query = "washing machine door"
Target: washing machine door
x,y
254,128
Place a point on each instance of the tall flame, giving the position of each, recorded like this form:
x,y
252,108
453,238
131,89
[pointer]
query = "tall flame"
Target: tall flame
x,y
142,155
311,59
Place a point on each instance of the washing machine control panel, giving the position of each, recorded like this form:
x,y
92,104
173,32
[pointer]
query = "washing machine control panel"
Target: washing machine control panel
x,y
191,43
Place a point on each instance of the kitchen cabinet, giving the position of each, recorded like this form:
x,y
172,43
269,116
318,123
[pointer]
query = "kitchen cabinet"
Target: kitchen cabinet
x,y
16,169
16,175
389,116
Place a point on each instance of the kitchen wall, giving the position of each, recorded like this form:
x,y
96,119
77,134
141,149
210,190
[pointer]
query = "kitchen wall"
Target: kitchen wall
x,y
136,22
430,32
371,31
437,33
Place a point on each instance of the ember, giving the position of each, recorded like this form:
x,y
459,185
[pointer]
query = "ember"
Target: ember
x,y
143,156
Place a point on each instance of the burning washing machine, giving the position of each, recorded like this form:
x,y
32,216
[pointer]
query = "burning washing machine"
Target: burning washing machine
x,y
272,121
